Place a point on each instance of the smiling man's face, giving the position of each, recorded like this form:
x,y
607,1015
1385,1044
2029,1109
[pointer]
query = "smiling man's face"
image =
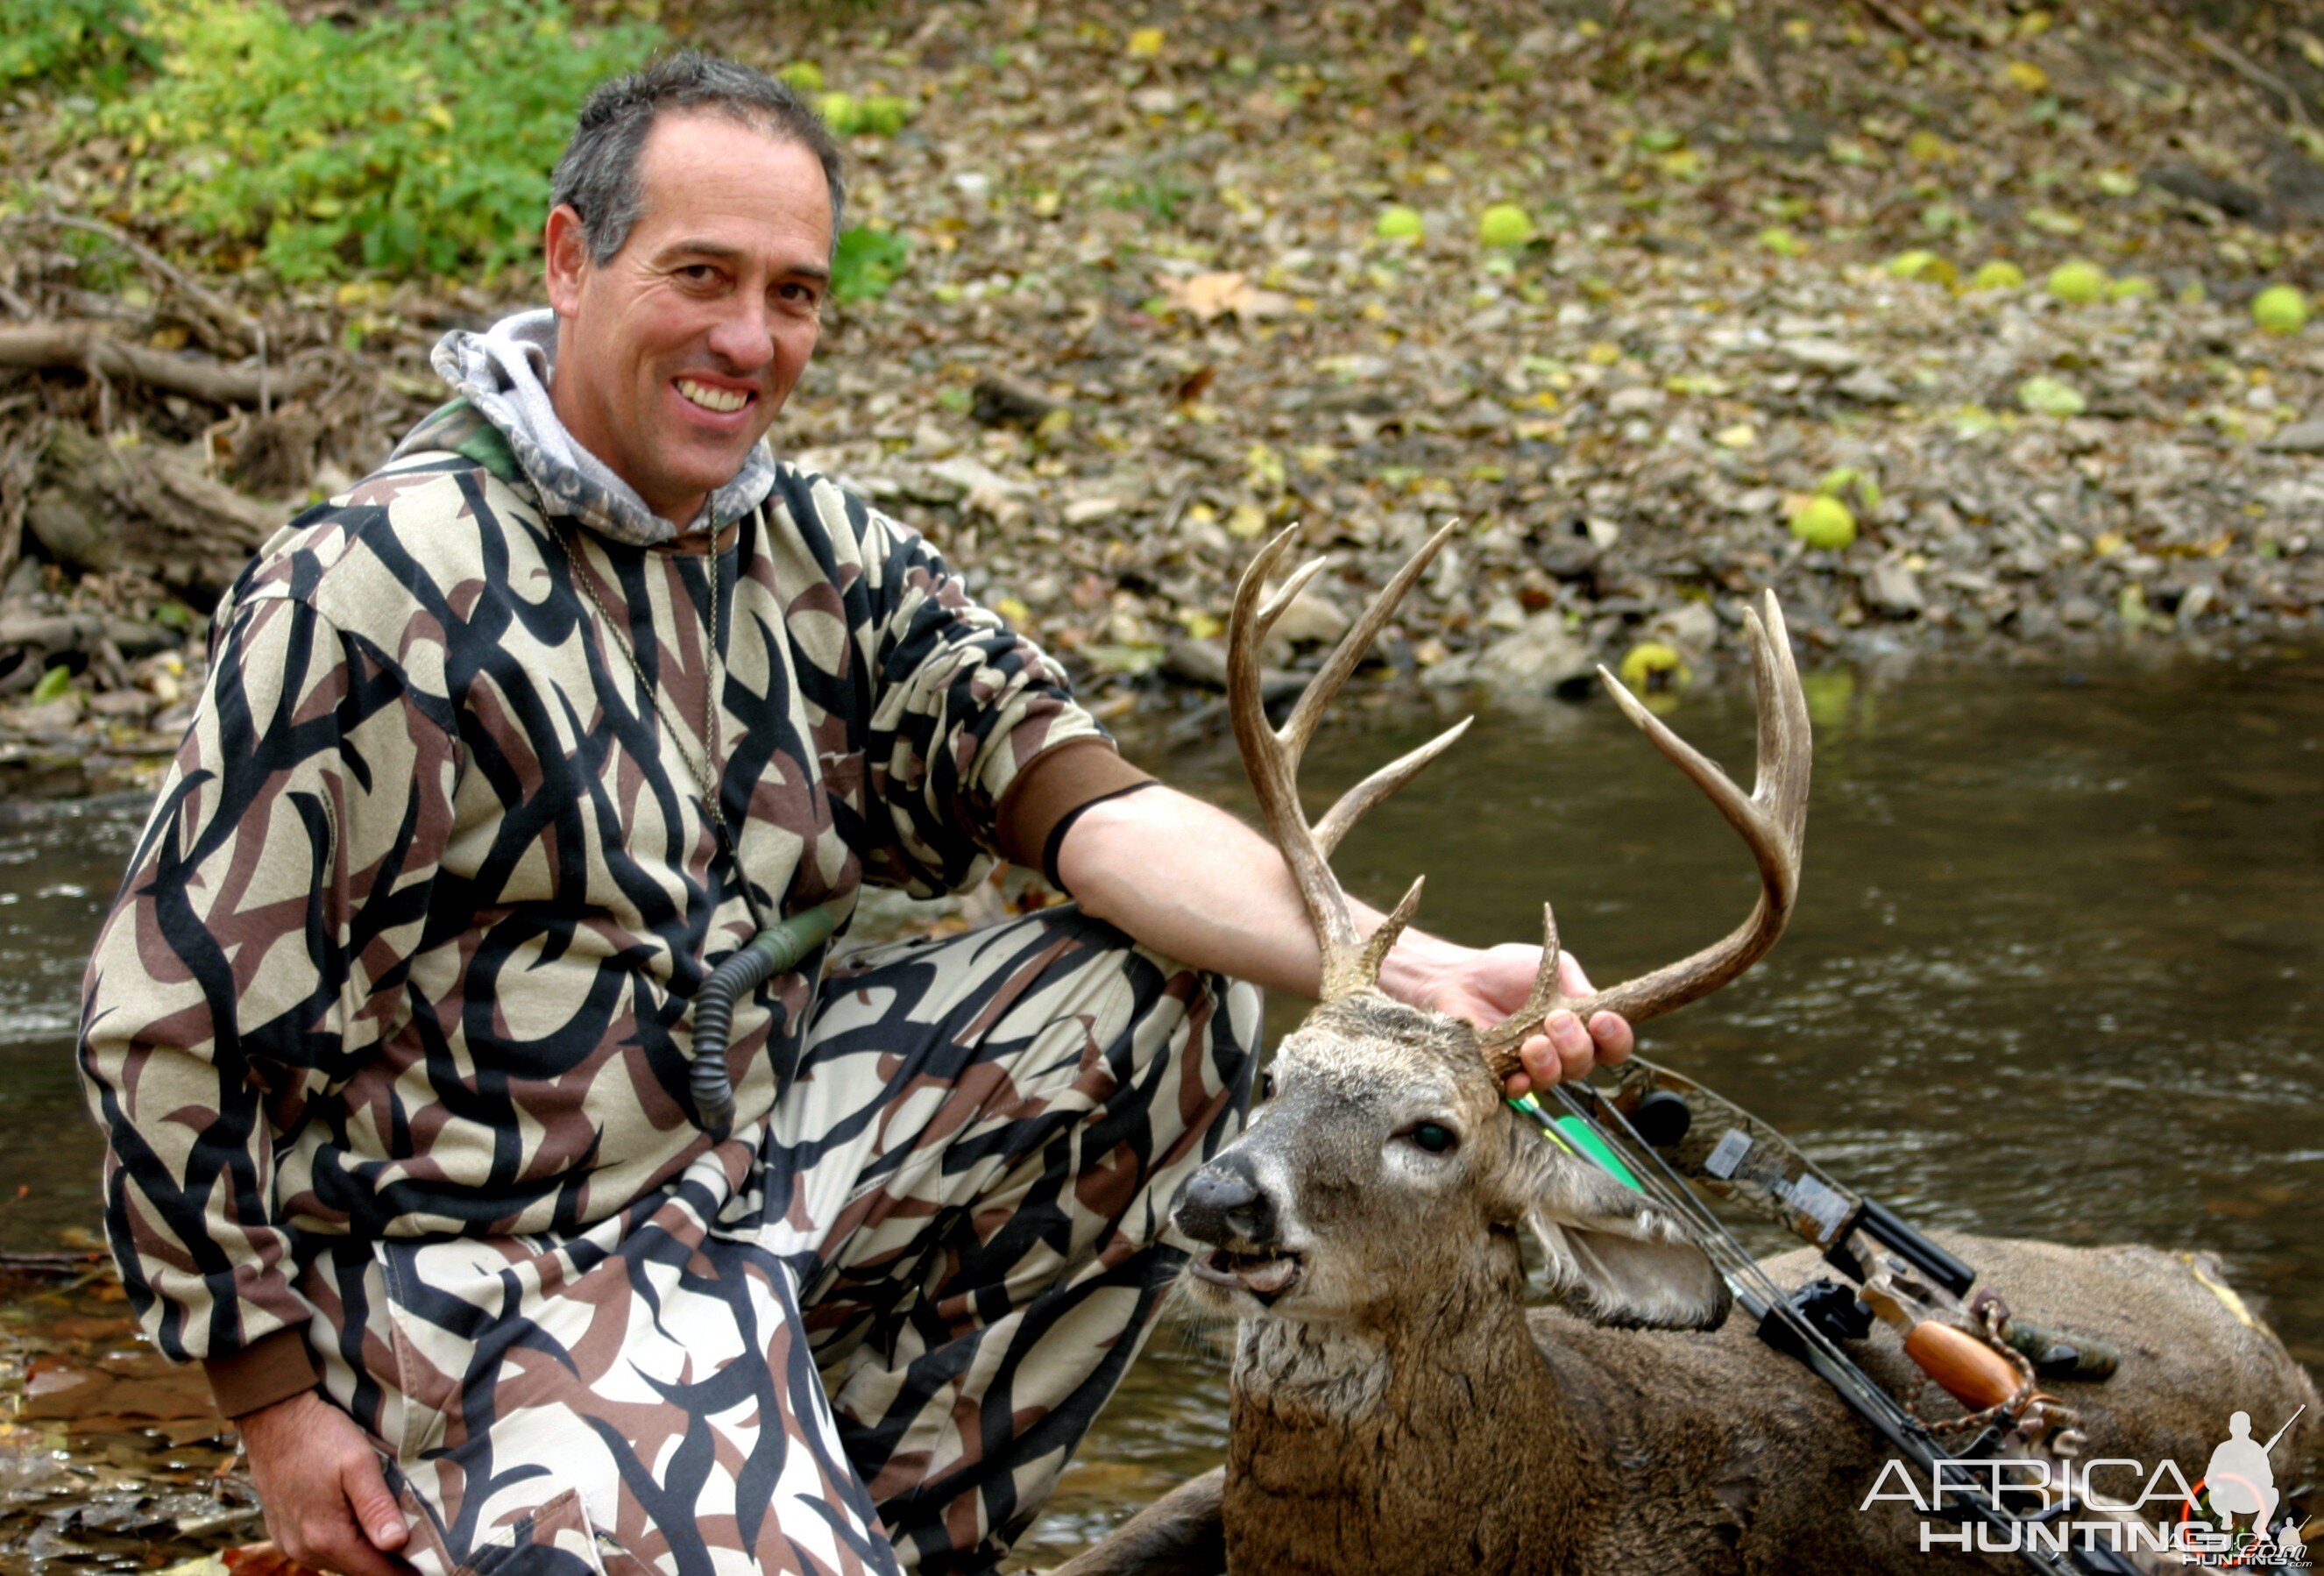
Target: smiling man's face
x,y
674,355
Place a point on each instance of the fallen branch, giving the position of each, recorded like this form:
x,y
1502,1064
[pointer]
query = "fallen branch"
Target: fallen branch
x,y
2251,71
58,1264
1911,27
84,347
224,319
146,507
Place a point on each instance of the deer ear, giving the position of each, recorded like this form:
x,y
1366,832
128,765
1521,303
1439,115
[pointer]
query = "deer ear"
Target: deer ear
x,y
1615,1256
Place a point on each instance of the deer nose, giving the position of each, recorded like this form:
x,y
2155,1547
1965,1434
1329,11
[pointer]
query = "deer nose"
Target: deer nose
x,y
1223,1201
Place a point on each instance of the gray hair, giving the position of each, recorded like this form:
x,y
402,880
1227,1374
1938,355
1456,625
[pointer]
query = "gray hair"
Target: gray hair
x,y
598,174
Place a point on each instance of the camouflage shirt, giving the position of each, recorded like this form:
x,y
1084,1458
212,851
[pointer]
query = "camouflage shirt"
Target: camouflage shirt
x,y
407,944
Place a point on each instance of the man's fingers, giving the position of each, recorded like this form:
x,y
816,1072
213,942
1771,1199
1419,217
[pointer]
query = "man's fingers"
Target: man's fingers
x,y
375,1510
1541,1064
1561,1052
1610,1032
1575,1054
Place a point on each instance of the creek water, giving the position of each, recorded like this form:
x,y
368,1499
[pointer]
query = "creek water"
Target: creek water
x,y
2053,972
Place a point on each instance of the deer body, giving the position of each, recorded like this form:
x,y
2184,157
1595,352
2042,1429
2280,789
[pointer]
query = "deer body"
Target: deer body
x,y
1534,1442
1397,1407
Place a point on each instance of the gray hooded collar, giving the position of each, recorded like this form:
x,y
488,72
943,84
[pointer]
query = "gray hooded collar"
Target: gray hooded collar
x,y
502,376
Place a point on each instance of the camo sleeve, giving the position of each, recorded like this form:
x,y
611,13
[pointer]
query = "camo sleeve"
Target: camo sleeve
x,y
962,706
251,962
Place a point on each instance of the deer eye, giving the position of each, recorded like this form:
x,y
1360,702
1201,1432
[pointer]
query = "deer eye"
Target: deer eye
x,y
1435,1137
1266,1089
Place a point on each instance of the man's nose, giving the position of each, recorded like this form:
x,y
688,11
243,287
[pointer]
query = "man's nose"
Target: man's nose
x,y
743,337
1223,1202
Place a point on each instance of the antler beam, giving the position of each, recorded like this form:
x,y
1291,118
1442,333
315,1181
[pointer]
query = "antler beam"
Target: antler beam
x,y
1772,818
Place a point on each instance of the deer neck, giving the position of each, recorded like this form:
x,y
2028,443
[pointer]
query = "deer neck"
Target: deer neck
x,y
1372,1444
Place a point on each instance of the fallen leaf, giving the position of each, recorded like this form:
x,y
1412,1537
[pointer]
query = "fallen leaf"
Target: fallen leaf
x,y
1214,295
264,1560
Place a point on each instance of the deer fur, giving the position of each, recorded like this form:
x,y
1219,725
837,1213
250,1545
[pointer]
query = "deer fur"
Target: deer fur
x,y
1397,1407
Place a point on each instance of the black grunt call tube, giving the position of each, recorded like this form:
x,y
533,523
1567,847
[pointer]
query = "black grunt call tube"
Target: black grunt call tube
x,y
777,949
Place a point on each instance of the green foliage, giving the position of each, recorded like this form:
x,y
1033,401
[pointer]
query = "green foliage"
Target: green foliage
x,y
868,262
417,141
1159,198
78,44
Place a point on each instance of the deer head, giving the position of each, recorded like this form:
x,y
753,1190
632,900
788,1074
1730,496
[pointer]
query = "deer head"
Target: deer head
x,y
1384,1180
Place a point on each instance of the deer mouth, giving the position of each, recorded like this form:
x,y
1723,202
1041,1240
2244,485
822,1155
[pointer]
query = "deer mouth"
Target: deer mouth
x,y
1265,1276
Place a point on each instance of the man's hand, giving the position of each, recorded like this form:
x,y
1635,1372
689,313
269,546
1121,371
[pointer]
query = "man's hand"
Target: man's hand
x,y
327,1505
1486,986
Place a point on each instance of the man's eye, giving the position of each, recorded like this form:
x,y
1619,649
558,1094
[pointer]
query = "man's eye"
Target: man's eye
x,y
1435,1137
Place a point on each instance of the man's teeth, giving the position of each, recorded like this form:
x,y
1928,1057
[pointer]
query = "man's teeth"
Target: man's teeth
x,y
712,399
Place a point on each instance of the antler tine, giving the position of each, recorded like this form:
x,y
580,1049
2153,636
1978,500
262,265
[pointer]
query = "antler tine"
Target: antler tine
x,y
1383,940
1772,820
1272,769
1301,725
1272,757
1272,608
1545,998
1359,799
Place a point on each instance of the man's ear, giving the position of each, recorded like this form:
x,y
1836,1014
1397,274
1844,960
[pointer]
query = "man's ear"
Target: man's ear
x,y
1615,1255
564,257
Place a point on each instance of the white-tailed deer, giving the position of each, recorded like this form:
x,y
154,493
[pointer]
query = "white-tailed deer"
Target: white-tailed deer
x,y
1397,1407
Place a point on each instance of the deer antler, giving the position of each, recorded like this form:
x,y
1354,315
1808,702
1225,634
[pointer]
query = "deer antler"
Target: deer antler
x,y
1773,819
1272,755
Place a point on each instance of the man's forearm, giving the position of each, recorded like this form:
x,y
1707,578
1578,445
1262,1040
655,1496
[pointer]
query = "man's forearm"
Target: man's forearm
x,y
1191,881
1195,883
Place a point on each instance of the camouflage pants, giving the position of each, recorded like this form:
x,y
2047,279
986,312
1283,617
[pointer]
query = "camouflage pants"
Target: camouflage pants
x,y
894,1322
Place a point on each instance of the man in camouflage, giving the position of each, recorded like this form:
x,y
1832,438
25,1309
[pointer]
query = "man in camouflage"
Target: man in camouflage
x,y
501,751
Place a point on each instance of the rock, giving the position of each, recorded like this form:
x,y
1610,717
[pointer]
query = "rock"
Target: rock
x,y
1309,620
2299,437
1869,387
1450,672
1506,614
930,439
1895,589
2182,179
1633,401
49,718
2079,612
982,489
124,703
1692,626
999,400
1204,662
1536,659
1822,355
919,485
1089,510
